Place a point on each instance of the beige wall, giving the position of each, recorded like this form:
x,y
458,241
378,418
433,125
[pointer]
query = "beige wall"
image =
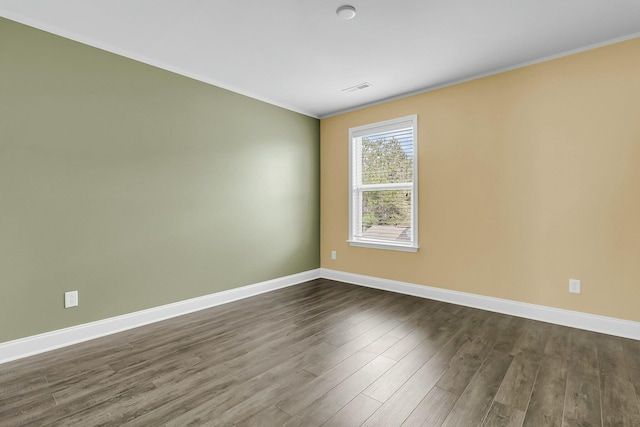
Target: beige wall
x,y
526,179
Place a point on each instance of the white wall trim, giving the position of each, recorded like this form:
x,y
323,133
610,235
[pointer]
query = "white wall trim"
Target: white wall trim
x,y
575,319
482,75
89,41
29,346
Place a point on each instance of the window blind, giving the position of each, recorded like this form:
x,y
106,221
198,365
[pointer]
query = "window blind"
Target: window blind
x,y
383,183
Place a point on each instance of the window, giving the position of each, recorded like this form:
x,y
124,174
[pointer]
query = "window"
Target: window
x,y
383,196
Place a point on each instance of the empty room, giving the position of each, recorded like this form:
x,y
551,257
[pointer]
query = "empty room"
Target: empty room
x,y
320,213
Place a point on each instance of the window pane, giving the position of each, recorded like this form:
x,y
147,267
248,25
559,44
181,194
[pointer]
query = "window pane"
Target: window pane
x,y
382,185
387,158
386,215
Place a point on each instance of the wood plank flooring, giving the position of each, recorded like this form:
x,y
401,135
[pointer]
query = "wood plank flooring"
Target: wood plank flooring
x,y
331,354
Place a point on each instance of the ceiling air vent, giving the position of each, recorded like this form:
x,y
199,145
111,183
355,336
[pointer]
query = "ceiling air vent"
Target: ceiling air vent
x,y
357,87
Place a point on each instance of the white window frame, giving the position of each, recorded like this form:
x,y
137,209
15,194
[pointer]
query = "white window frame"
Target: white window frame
x,y
356,188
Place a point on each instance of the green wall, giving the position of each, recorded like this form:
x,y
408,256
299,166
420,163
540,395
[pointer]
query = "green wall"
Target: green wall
x,y
139,187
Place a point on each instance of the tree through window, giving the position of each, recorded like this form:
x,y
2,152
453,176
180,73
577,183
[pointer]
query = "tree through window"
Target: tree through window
x,y
383,184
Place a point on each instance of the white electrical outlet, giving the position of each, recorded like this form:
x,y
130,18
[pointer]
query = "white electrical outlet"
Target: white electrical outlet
x,y
334,255
574,286
70,299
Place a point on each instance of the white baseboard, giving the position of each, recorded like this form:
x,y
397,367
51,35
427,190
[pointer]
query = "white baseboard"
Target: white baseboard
x,y
575,319
29,346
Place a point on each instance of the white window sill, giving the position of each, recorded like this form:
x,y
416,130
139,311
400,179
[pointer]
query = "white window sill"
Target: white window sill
x,y
383,245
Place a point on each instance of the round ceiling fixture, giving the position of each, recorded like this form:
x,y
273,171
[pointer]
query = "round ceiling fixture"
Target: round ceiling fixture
x,y
346,12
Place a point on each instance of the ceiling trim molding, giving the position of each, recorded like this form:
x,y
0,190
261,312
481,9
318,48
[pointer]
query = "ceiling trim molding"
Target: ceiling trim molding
x,y
177,70
487,74
140,58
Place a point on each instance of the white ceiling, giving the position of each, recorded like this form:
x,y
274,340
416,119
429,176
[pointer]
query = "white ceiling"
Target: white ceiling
x,y
299,55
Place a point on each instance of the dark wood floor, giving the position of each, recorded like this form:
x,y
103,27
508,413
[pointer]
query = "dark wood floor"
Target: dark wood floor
x,y
332,354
